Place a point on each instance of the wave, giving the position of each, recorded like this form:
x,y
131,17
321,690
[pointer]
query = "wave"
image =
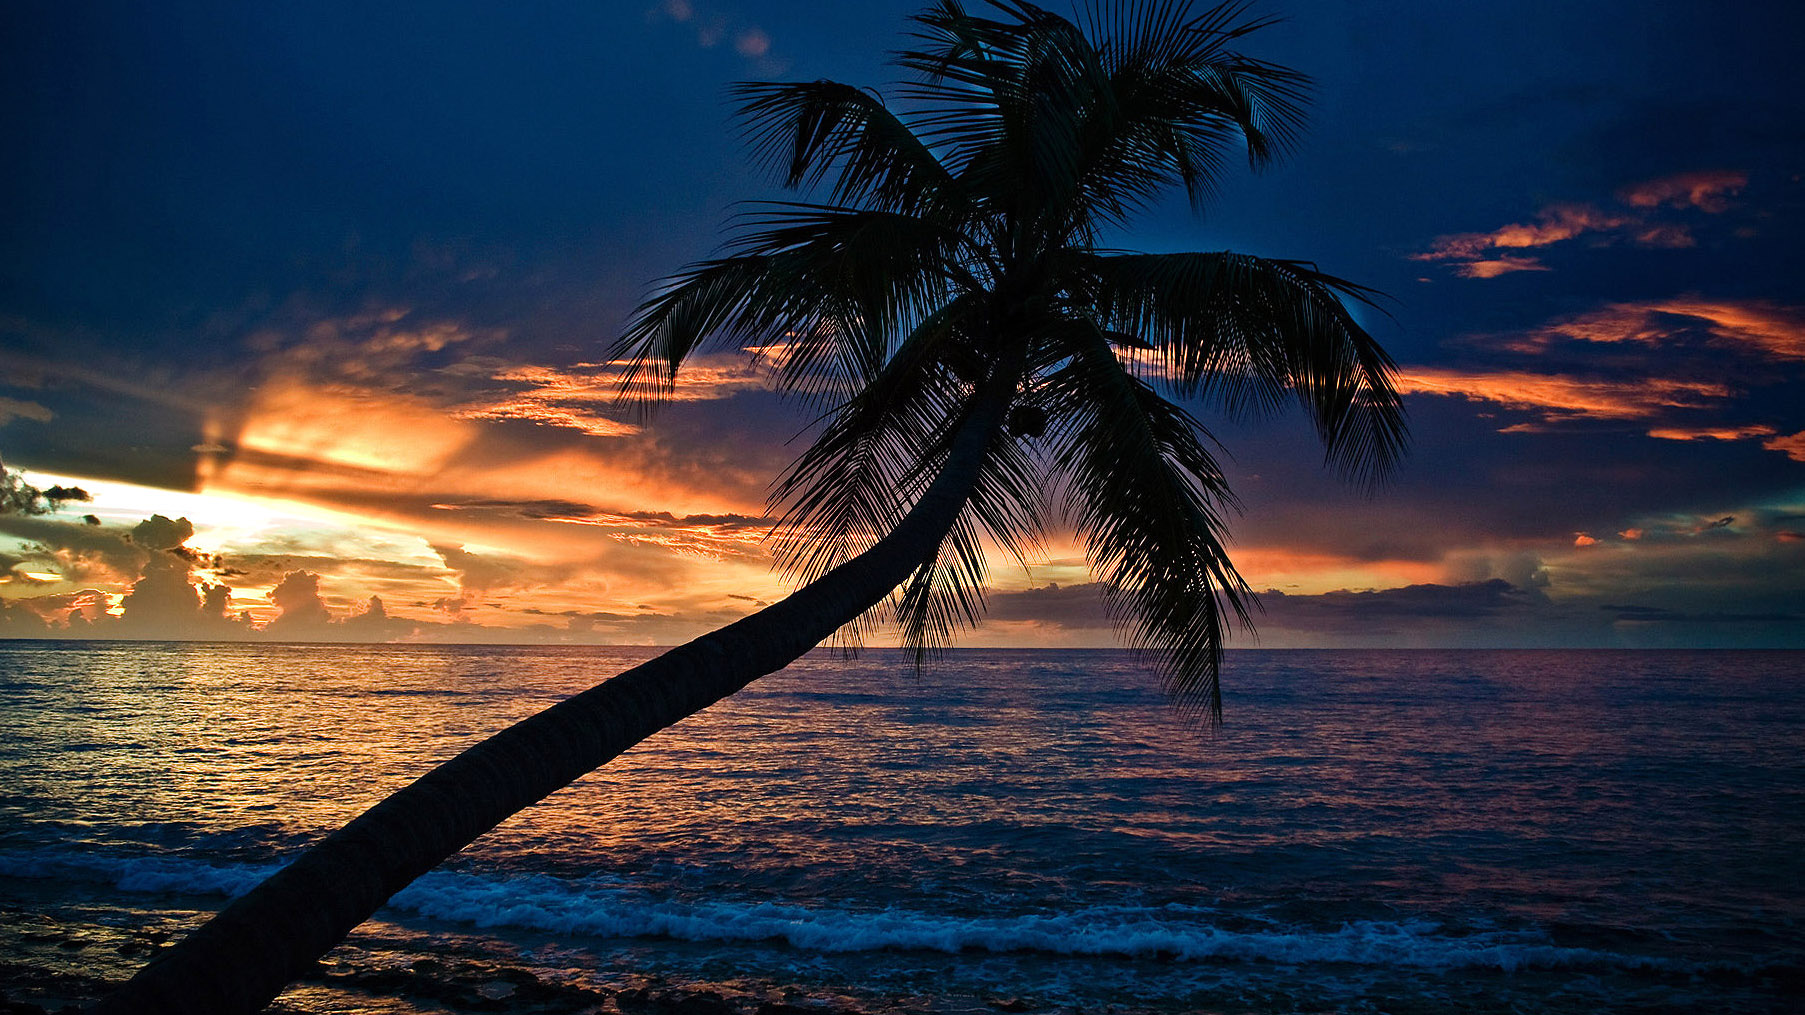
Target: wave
x,y
609,909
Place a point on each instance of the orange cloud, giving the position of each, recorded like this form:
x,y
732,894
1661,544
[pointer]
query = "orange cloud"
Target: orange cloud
x,y
1478,254
1496,266
1560,395
586,397
337,425
1554,224
1706,190
1767,328
1670,237
1581,539
1720,433
1776,330
1311,572
1792,445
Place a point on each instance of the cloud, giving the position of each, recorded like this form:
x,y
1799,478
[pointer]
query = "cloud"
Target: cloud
x,y
373,623
1495,266
1710,433
1485,254
586,397
160,533
1560,397
142,583
749,41
14,408
312,428
1767,329
79,551
476,573
1707,190
297,595
1791,445
1073,607
164,598
1554,224
381,347
1428,600
752,43
1421,608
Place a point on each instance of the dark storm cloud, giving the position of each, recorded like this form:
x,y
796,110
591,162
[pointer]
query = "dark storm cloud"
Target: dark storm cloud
x,y
160,533
1493,609
1355,610
304,611
111,548
569,510
1073,607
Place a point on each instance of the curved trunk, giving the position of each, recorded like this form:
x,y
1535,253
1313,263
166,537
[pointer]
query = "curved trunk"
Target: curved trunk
x,y
238,961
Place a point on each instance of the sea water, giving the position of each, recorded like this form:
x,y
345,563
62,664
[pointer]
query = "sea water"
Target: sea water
x,y
1414,831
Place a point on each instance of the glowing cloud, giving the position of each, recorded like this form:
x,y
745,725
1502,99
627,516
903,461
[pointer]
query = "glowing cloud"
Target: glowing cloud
x,y
361,429
1559,396
586,397
1718,433
1792,445
1764,328
1706,190
1483,254
1496,266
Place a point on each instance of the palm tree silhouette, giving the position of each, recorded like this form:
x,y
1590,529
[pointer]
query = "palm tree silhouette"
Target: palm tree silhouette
x,y
948,305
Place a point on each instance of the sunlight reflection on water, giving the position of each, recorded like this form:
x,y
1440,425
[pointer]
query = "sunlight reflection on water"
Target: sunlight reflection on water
x,y
1024,800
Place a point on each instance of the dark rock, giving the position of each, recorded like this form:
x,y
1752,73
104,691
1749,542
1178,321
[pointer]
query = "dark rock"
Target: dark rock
x,y
1009,1004
705,1002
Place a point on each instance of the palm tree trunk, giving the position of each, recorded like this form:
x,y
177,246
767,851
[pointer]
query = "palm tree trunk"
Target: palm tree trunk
x,y
238,961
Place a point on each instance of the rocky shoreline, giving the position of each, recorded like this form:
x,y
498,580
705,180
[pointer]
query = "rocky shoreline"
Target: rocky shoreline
x,y
370,983
432,985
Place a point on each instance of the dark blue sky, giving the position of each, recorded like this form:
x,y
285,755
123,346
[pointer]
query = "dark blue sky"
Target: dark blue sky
x,y
1586,216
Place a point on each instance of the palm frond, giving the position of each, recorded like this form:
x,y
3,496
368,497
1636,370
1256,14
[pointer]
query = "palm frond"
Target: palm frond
x,y
1246,332
1074,123
873,457
1004,510
1007,98
1182,102
828,284
809,130
1150,500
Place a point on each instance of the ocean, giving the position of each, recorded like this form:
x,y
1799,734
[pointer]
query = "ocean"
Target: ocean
x,y
1412,831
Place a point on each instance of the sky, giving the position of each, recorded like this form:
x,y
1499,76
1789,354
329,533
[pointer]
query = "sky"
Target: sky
x,y
315,299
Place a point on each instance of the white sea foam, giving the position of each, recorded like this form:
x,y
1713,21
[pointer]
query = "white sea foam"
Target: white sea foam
x,y
1177,933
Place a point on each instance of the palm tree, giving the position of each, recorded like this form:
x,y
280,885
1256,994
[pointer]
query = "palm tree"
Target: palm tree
x,y
982,362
